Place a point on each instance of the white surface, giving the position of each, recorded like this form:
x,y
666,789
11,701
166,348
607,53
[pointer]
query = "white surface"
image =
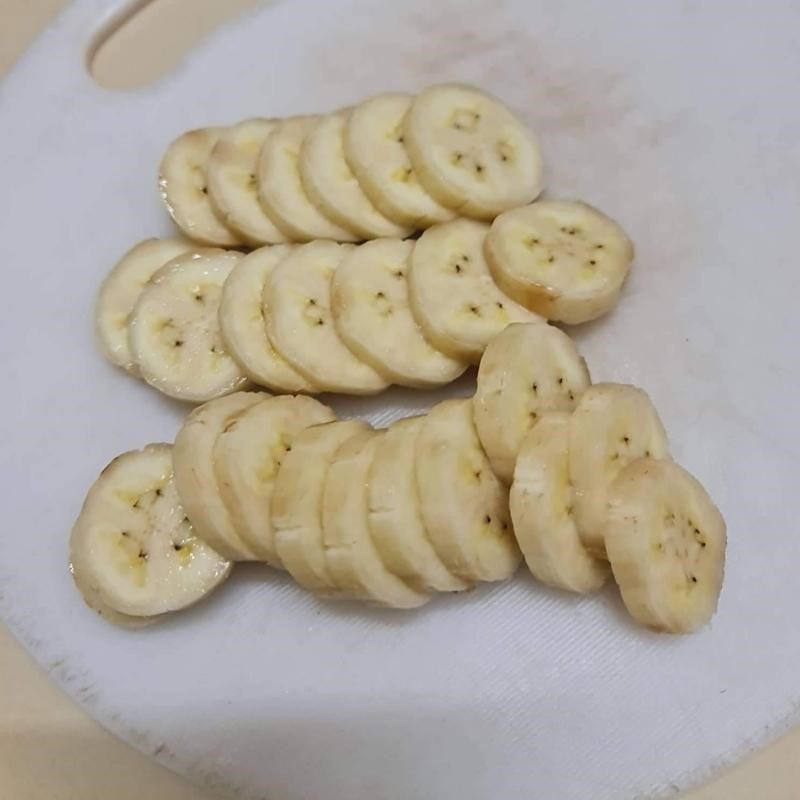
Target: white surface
x,y
677,120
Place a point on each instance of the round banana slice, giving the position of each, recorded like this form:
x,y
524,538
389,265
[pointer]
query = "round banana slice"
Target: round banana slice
x,y
196,480
134,543
452,295
565,260
332,187
232,181
297,308
525,371
471,152
395,522
666,542
297,502
541,501
369,299
183,182
373,146
174,329
464,505
351,556
280,188
247,456
612,425
121,289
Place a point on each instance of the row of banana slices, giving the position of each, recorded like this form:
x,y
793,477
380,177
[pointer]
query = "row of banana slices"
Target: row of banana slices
x,y
394,516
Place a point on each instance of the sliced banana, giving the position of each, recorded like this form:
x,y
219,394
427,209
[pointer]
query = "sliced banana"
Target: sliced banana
x,y
471,152
121,289
565,260
174,329
452,295
541,500
280,188
297,502
612,425
247,456
395,521
369,299
525,371
666,542
463,504
193,459
232,171
374,148
135,545
183,182
297,302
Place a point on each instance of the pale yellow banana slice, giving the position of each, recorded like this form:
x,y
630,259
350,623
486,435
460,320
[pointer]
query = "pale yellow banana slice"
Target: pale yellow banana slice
x,y
369,299
471,152
565,260
541,500
666,541
247,456
525,371
452,295
463,504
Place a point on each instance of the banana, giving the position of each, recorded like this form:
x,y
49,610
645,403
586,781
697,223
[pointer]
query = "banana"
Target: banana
x,y
300,325
369,300
565,260
183,183
374,149
470,152
297,502
394,518
525,371
541,501
332,187
247,456
464,505
666,542
134,544
612,425
452,295
192,457
174,328
232,181
121,289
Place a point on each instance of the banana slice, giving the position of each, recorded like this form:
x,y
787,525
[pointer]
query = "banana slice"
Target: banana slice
x,y
232,181
567,261
183,182
471,152
297,304
121,289
612,425
369,299
452,294
666,542
174,329
525,371
297,502
195,478
395,522
464,505
134,543
332,187
247,456
351,556
280,188
541,501
373,146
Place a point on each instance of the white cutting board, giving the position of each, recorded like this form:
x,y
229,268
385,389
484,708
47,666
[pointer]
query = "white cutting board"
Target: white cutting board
x,y
678,118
